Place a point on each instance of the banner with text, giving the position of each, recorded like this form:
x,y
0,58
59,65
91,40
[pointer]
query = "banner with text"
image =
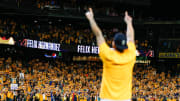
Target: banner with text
x,y
40,45
83,49
169,55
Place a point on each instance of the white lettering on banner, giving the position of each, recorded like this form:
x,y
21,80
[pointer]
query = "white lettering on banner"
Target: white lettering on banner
x,y
35,44
46,45
78,49
83,50
95,50
50,46
87,49
57,47
30,43
43,45
39,44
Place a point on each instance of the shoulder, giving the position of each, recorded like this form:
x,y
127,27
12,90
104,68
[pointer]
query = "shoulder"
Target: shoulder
x,y
131,46
104,48
131,49
103,45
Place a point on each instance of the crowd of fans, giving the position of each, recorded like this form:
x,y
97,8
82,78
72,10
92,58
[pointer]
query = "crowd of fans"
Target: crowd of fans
x,y
40,80
60,81
54,80
63,34
152,85
49,81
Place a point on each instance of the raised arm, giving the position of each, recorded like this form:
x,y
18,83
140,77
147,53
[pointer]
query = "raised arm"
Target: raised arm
x,y
130,29
96,30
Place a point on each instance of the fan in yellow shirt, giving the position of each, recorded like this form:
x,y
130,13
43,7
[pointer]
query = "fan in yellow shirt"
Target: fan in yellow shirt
x,y
39,96
118,62
44,97
3,96
10,95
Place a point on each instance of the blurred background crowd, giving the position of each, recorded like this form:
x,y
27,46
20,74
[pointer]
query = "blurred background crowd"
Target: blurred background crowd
x,y
63,33
26,75
51,80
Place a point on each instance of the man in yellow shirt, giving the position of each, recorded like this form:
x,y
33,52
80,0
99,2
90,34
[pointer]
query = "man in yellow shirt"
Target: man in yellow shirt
x,y
3,95
118,62
10,95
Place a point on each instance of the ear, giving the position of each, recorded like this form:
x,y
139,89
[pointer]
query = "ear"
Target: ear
x,y
113,44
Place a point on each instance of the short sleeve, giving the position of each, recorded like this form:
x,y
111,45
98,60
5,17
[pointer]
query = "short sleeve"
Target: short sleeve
x,y
132,49
104,51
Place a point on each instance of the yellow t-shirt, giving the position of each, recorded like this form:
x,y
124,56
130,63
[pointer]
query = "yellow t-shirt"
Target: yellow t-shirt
x,y
3,97
1,87
10,95
40,97
29,88
117,72
168,99
173,99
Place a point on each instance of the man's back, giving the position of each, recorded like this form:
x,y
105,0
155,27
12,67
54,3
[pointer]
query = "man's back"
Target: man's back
x,y
117,66
117,72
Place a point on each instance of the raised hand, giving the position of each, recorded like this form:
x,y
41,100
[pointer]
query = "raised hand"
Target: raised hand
x,y
127,18
90,14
